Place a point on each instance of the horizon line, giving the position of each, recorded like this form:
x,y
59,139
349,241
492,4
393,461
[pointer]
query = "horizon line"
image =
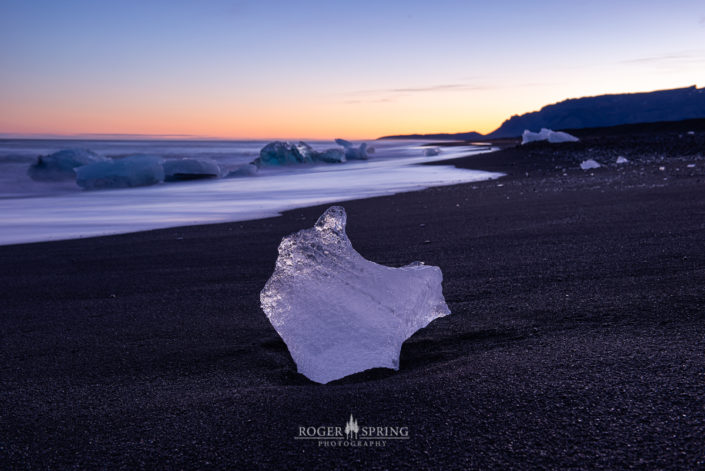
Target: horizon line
x,y
152,137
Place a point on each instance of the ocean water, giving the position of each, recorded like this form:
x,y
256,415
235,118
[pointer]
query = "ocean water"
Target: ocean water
x,y
33,211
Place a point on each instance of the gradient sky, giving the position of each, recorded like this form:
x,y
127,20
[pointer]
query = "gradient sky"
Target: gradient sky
x,y
328,68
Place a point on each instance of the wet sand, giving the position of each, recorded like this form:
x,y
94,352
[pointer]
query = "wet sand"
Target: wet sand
x,y
576,337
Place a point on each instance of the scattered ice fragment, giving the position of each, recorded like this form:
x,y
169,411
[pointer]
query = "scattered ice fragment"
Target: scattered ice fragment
x,y
359,153
589,164
691,165
352,152
60,165
559,136
662,168
691,133
528,136
622,160
135,170
431,151
190,169
246,170
344,143
549,135
339,313
332,156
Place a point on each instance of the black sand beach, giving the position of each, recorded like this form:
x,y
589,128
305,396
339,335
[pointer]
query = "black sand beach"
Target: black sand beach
x,y
576,337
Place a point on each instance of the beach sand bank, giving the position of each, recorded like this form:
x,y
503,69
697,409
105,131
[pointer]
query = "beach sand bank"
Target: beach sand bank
x,y
576,337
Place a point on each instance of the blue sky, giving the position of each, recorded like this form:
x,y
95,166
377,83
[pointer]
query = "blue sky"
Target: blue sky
x,y
317,68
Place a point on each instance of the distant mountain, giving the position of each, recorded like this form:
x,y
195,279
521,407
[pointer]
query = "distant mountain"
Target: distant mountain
x,y
461,136
597,111
610,110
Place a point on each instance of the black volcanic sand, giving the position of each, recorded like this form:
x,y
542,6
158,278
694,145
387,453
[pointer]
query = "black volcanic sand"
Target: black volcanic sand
x,y
577,337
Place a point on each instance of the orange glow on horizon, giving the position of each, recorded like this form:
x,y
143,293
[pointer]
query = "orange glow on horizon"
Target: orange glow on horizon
x,y
358,123
277,117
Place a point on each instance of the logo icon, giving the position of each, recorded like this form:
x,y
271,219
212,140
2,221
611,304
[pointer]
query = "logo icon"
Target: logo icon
x,y
351,429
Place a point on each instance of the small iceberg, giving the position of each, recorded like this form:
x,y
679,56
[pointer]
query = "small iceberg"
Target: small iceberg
x,y
339,313
60,165
622,160
554,137
431,151
190,169
135,170
589,164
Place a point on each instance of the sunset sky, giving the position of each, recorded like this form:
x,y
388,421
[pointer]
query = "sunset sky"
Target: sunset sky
x,y
322,69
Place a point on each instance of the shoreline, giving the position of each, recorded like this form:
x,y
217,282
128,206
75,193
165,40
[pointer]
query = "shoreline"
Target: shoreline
x,y
575,339
83,214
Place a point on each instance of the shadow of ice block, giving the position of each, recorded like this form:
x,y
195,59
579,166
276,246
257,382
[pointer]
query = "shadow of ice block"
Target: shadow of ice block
x,y
190,169
339,313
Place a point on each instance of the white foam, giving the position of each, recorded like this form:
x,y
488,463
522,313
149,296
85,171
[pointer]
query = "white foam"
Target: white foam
x,y
82,213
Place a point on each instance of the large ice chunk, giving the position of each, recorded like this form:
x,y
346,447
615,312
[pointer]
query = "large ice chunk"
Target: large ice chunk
x,y
549,135
60,165
340,314
190,169
135,170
